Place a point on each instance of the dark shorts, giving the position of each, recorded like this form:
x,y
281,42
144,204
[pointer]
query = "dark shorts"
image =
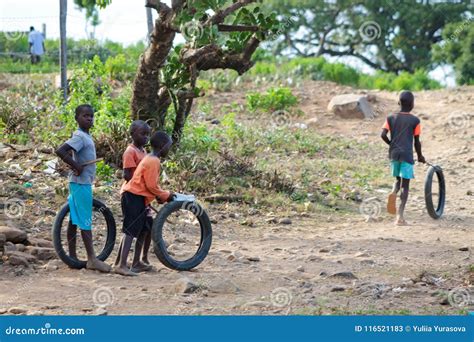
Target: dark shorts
x,y
134,214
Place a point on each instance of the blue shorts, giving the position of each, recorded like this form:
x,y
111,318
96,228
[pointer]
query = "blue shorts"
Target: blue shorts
x,y
402,169
80,205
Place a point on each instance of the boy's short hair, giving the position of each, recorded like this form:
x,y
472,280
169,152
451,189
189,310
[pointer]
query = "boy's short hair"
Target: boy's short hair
x,y
159,139
83,107
406,98
136,125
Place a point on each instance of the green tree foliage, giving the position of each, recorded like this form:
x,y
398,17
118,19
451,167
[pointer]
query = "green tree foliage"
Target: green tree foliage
x,y
457,48
387,35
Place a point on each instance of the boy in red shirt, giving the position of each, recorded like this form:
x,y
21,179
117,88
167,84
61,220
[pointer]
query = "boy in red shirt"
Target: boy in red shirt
x,y
133,155
139,192
405,131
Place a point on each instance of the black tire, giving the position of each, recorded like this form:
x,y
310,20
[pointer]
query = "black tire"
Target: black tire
x,y
159,244
435,212
58,226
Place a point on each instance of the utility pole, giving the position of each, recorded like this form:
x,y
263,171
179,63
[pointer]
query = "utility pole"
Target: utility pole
x,y
62,46
149,20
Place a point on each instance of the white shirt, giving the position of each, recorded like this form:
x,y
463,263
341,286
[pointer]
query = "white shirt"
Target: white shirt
x,y
36,39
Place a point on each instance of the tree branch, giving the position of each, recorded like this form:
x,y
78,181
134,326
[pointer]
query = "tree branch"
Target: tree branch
x,y
220,15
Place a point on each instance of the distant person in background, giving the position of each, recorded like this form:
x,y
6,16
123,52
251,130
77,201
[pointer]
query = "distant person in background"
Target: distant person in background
x,y
36,41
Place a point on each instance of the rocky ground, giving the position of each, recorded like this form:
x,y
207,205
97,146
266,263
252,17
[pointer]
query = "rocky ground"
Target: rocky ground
x,y
264,262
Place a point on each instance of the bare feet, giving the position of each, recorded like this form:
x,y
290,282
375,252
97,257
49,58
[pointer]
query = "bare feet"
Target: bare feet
x,y
124,271
392,203
401,222
96,264
141,267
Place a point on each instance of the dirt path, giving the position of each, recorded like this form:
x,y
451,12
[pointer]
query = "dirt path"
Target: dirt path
x,y
319,263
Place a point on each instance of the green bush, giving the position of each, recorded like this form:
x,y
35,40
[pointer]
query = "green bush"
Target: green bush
x,y
274,99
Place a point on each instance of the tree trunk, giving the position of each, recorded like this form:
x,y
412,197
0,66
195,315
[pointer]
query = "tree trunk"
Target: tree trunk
x,y
145,100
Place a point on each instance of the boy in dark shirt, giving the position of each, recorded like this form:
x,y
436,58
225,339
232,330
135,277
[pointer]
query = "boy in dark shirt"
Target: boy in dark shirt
x,y
405,132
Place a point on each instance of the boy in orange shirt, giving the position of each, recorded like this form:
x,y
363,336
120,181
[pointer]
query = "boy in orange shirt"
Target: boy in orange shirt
x,y
139,192
133,155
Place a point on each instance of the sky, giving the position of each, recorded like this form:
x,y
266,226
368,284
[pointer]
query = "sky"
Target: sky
x,y
123,21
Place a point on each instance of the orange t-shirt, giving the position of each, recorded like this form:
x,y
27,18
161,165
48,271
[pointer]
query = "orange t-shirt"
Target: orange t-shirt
x,y
145,181
130,160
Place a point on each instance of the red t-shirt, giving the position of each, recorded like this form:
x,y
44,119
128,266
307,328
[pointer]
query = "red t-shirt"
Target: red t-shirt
x,y
131,158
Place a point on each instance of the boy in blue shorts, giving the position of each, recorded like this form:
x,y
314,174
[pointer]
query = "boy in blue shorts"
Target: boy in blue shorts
x,y
405,131
80,185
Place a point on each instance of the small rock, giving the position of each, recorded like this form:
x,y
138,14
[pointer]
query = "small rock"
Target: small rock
x,y
464,249
3,311
285,220
9,247
185,285
271,220
350,106
32,241
234,215
338,289
324,250
347,275
52,265
254,259
42,253
20,247
17,311
300,269
15,260
101,312
12,234
215,122
35,313
361,255
314,258
224,286
257,304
